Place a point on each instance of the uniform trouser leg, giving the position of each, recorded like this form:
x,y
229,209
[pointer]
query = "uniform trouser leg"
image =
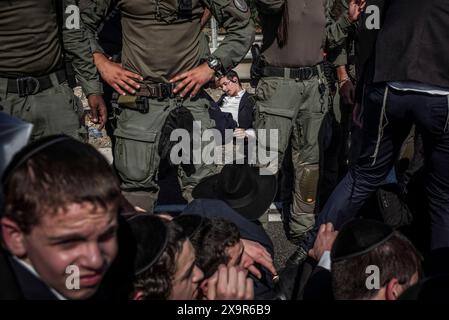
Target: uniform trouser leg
x,y
295,109
199,107
52,111
307,129
136,152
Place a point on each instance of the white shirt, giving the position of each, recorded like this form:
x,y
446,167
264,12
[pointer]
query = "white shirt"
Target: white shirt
x,y
231,105
325,260
419,87
34,272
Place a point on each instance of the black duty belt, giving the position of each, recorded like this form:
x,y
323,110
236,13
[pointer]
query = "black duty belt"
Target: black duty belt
x,y
158,90
26,86
304,73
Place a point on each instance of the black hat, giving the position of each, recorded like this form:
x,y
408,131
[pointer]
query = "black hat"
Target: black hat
x,y
359,236
150,237
242,187
190,223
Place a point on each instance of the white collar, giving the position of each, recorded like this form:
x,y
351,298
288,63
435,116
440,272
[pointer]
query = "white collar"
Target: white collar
x,y
238,96
241,93
34,272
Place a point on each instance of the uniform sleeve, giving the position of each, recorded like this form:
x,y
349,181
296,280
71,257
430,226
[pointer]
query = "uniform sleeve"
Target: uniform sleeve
x,y
336,29
270,6
337,54
235,17
78,50
93,13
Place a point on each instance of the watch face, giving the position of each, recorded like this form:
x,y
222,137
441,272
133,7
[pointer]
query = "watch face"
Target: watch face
x,y
213,63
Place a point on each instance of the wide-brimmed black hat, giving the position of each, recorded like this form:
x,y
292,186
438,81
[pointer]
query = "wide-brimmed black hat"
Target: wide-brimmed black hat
x,y
150,237
359,236
242,187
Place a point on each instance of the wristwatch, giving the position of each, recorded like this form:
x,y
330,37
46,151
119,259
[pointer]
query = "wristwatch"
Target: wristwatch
x,y
215,64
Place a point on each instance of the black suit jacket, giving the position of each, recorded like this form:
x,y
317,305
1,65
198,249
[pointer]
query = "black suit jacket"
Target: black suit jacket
x,y
246,110
9,288
17,283
413,43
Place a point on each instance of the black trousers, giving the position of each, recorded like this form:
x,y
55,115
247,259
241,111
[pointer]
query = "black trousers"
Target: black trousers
x,y
382,141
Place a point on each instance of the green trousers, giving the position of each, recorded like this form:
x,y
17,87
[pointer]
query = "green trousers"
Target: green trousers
x,y
295,109
52,111
136,156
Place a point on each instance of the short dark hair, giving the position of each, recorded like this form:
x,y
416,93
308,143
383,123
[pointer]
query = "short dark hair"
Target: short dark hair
x,y
211,241
232,74
49,175
156,282
396,258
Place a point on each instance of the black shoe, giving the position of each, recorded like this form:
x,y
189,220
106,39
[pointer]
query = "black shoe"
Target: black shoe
x,y
299,256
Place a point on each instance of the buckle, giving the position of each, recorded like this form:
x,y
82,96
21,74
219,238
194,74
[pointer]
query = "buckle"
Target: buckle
x,y
152,91
166,90
27,86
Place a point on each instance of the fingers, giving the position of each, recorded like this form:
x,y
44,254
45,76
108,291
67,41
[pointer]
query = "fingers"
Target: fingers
x,y
98,113
126,87
212,287
222,280
93,113
131,83
259,254
232,285
195,90
117,88
188,88
322,228
102,114
241,287
180,86
249,293
255,271
329,227
132,75
179,78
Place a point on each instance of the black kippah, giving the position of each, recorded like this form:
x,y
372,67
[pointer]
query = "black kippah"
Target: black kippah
x,y
150,239
190,223
359,236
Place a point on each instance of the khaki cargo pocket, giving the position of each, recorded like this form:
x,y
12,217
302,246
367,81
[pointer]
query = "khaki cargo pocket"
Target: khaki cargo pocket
x,y
134,155
281,120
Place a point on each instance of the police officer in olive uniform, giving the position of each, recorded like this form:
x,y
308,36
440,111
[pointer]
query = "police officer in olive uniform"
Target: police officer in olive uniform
x,y
161,71
292,94
36,42
337,156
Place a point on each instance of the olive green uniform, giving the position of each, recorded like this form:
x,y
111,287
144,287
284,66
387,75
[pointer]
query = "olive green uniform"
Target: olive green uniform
x,y
159,42
297,107
336,154
32,46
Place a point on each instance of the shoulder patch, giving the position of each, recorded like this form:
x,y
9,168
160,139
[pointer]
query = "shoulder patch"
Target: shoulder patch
x,y
241,5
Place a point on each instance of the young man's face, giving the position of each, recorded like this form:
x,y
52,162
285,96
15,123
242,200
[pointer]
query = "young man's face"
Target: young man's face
x,y
188,276
82,236
230,87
